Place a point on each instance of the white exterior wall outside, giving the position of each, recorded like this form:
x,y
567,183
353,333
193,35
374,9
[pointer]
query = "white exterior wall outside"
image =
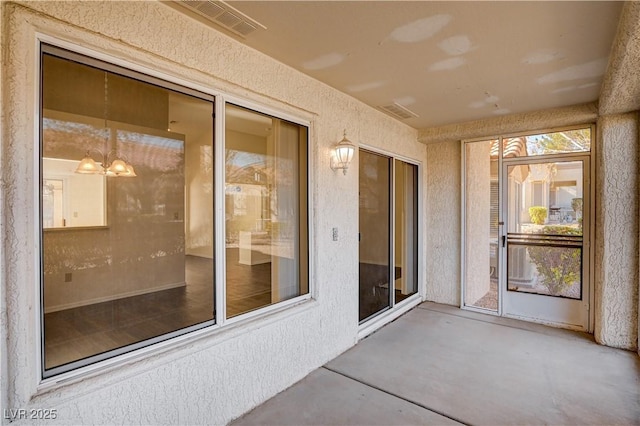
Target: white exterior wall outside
x,y
221,374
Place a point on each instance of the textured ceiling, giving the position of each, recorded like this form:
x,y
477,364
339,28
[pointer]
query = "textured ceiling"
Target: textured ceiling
x,y
448,62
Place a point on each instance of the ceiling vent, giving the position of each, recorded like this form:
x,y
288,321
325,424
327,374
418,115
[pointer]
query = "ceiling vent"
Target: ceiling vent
x,y
224,15
398,111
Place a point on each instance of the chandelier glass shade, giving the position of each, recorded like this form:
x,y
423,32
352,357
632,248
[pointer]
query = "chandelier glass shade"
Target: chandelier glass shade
x,y
116,168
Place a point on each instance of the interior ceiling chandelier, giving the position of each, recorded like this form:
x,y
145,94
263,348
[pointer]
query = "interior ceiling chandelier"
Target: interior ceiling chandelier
x,y
118,167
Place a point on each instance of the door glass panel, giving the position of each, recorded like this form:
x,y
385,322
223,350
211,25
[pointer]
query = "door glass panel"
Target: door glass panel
x,y
406,230
374,222
544,214
566,141
481,226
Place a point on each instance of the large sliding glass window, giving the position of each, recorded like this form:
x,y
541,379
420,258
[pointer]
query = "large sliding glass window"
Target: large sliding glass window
x,y
127,211
266,207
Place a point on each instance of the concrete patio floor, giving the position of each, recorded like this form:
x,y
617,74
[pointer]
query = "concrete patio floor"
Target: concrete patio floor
x,y
441,365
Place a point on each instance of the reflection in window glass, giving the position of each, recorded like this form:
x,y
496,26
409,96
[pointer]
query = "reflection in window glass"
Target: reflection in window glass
x,y
147,269
52,203
374,266
406,230
82,202
265,205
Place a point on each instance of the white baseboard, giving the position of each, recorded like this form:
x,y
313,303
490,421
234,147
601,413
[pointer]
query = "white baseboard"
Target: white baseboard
x,y
112,297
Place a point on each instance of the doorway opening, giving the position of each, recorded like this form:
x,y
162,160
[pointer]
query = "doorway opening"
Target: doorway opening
x,y
527,226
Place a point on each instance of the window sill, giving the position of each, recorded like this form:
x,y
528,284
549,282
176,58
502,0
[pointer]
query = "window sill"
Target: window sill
x,y
122,367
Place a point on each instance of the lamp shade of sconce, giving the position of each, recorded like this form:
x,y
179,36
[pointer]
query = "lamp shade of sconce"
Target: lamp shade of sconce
x,y
342,154
88,166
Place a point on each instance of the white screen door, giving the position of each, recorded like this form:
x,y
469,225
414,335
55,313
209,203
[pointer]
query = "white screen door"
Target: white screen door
x,y
546,266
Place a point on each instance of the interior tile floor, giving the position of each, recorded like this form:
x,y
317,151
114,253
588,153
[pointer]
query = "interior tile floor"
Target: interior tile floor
x,y
441,365
78,333
82,332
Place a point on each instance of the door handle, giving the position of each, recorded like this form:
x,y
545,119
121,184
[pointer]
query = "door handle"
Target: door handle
x,y
504,240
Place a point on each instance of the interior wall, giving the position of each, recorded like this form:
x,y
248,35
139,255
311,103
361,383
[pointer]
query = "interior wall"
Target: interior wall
x,y
126,256
126,100
199,194
222,374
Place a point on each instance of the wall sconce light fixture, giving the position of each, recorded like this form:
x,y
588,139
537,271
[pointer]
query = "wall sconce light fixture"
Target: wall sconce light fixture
x,y
342,154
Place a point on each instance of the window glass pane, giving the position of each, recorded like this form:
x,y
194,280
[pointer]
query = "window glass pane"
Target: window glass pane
x,y
545,228
565,141
406,230
127,247
374,182
545,269
266,207
546,198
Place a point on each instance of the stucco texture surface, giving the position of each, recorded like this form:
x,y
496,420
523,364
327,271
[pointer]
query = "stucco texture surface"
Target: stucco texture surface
x,y
621,86
616,298
443,222
222,373
537,120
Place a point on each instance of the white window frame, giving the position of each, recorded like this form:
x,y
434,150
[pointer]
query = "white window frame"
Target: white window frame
x,y
46,379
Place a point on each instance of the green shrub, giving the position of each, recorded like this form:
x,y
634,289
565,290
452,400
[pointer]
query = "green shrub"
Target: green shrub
x,y
538,214
561,230
559,267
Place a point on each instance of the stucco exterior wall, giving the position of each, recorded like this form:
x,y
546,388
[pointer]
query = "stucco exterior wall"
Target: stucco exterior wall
x,y
477,221
621,86
617,200
443,222
514,123
211,376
